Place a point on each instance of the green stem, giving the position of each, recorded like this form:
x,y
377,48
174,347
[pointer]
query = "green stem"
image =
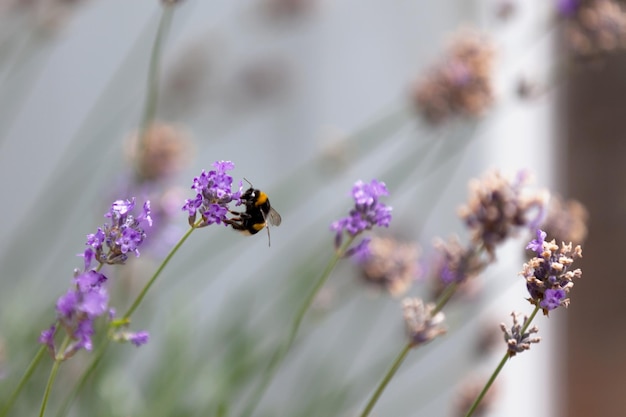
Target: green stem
x,y
29,372
445,296
53,373
496,372
92,366
169,256
385,381
154,73
281,352
126,317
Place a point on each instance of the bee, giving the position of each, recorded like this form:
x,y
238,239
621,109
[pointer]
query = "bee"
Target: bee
x,y
258,215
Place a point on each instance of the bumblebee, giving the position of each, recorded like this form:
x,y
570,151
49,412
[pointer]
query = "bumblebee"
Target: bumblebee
x,y
259,213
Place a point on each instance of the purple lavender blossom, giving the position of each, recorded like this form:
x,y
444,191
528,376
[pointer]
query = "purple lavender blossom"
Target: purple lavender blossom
x,y
139,338
122,236
549,277
368,211
88,298
536,245
552,299
214,193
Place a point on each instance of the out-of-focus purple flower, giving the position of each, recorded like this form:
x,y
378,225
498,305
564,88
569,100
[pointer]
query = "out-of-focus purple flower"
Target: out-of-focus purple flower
x,y
368,211
125,234
567,8
214,193
47,337
536,245
139,338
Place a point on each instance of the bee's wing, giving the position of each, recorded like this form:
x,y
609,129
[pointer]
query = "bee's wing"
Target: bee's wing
x,y
273,217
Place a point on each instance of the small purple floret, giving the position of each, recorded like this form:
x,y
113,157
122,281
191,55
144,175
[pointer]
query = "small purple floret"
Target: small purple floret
x,y
552,299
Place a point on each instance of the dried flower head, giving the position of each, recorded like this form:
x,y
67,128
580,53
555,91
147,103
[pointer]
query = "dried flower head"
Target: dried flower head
x,y
548,275
519,338
566,221
213,194
497,207
368,212
595,27
162,152
461,84
390,264
421,325
457,263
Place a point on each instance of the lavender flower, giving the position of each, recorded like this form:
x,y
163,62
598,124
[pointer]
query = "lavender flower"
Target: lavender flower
x,y
368,211
136,338
421,325
548,275
122,236
516,340
498,207
88,297
389,264
213,194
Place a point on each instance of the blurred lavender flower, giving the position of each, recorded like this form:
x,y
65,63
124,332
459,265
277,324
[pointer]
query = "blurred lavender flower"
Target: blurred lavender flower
x,y
566,221
461,84
595,27
368,212
136,338
516,340
390,264
458,264
213,194
567,8
421,325
498,206
548,275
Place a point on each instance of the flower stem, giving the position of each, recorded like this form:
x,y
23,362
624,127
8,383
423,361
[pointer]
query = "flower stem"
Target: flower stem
x,y
156,274
29,372
154,71
496,372
53,373
92,366
282,351
385,381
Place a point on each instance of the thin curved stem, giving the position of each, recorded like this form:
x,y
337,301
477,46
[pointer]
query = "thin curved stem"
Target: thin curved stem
x,y
53,373
385,381
156,274
282,351
29,372
499,368
154,74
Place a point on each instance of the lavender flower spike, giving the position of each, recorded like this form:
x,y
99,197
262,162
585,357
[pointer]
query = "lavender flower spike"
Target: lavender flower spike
x,y
213,194
87,299
368,211
123,235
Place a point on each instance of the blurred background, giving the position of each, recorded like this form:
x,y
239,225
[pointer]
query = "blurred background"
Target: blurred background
x,y
306,97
